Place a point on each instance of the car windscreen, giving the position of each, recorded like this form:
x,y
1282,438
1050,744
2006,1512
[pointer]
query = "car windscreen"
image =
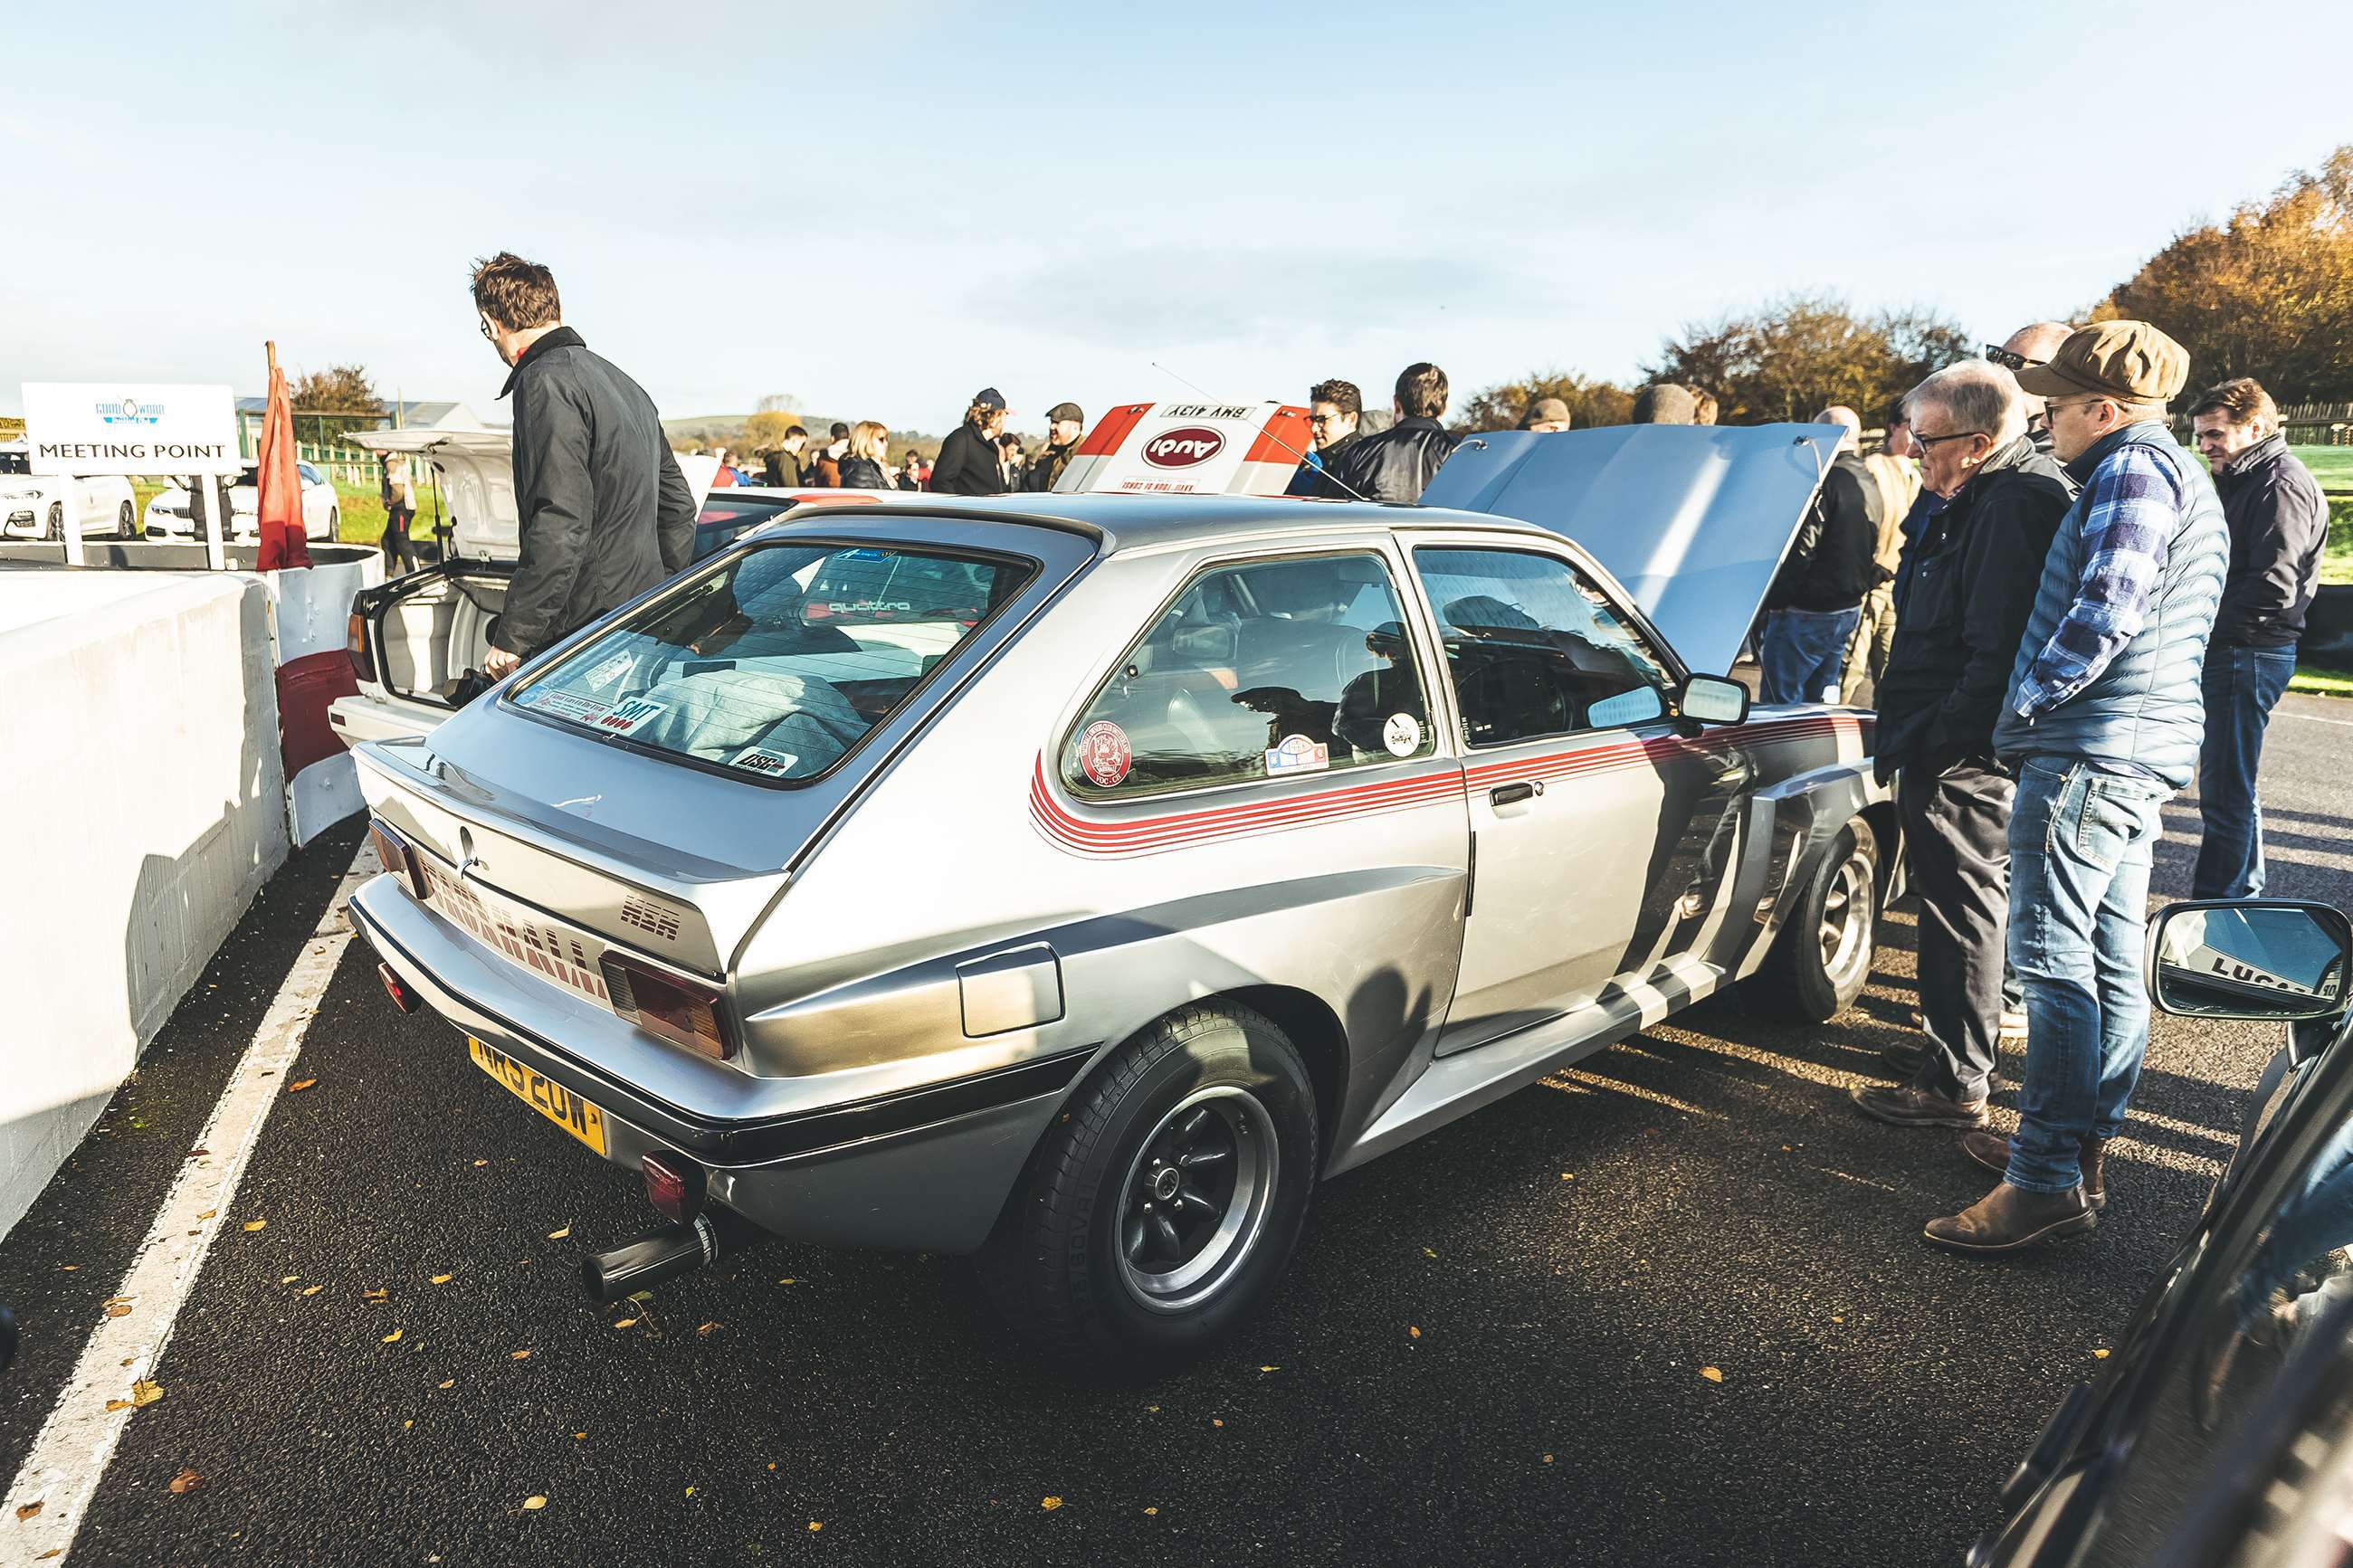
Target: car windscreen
x,y
775,662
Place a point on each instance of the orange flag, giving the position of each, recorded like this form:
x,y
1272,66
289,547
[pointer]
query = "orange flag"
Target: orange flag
x,y
280,505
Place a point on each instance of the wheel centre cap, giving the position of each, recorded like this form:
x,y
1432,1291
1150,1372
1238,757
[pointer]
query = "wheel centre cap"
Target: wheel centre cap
x,y
1164,1182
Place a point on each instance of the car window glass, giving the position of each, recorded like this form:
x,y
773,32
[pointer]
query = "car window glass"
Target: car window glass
x,y
309,475
2283,1272
1275,669
1533,647
777,662
15,463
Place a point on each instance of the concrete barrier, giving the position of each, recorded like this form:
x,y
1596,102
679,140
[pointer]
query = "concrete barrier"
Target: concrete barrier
x,y
146,804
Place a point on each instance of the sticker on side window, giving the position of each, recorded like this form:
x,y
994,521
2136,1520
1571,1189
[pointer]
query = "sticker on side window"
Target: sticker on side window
x,y
760,760
613,668
626,718
1401,734
564,705
1297,754
1104,754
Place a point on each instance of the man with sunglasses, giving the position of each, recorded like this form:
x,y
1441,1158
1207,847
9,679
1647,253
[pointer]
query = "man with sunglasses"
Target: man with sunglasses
x,y
2103,721
2031,345
1975,566
1334,409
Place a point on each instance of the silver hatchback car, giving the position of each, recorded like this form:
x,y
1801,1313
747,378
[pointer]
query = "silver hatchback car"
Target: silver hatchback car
x,y
1075,880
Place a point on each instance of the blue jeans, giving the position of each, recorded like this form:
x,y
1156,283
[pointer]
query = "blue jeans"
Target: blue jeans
x,y
2080,841
1804,652
2318,1219
2242,685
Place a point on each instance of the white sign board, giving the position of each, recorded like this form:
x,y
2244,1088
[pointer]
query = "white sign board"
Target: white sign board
x,y
1189,448
130,428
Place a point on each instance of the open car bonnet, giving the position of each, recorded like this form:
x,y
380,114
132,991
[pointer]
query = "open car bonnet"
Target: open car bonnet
x,y
1694,519
477,469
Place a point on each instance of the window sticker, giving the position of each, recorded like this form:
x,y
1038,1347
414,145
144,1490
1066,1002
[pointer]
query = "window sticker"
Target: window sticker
x,y
613,668
564,705
1104,754
761,760
1401,734
625,718
1297,754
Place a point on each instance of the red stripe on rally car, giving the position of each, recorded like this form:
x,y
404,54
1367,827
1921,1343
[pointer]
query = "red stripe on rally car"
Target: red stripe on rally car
x,y
1142,835
1282,440
1111,430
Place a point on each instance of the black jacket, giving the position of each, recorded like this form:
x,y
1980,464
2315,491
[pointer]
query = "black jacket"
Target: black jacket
x,y
1394,465
604,514
2279,522
865,474
781,468
1309,479
968,465
1834,561
1972,575
1048,466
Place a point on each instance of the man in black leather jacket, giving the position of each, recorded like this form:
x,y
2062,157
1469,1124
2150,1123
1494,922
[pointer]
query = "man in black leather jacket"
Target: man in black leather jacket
x,y
1397,464
1816,600
603,511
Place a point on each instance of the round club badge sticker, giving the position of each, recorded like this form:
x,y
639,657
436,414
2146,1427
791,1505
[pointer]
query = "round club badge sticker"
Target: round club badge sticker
x,y
1104,755
1403,734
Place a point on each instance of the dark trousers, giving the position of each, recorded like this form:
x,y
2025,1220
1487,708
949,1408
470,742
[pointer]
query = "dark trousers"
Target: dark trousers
x,y
2242,686
399,553
1956,833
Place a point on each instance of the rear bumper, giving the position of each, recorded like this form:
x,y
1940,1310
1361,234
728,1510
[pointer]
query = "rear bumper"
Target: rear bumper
x,y
927,1169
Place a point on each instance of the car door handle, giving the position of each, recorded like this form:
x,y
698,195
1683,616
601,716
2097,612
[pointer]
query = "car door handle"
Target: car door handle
x,y
1512,793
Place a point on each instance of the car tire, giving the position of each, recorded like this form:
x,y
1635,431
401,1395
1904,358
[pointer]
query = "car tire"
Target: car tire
x,y
126,522
1823,957
335,525
1164,1201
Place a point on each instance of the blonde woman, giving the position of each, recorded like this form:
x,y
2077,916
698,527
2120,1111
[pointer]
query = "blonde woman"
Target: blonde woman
x,y
867,465
399,510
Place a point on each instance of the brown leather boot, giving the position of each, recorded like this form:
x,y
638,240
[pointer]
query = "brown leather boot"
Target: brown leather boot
x,y
2011,1219
1991,1149
1908,1105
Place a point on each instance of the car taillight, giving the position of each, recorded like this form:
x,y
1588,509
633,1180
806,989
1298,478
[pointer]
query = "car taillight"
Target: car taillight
x,y
355,644
674,1186
398,858
661,1004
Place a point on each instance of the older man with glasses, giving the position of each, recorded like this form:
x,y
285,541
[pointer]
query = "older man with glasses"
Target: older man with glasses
x,y
1973,570
2103,723
2030,345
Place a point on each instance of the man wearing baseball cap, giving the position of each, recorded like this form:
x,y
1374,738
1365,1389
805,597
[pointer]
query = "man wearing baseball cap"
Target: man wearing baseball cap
x,y
969,461
1064,425
2103,723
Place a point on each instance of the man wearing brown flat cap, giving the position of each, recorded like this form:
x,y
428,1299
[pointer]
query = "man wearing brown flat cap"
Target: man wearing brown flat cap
x,y
1545,415
2103,723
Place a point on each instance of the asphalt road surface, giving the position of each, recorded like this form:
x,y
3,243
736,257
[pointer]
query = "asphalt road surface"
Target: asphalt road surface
x,y
1671,1307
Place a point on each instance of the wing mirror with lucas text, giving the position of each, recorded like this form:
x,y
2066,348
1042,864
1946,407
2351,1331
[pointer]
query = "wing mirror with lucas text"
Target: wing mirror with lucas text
x,y
2252,959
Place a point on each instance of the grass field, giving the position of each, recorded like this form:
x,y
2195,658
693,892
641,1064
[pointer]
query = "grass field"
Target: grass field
x,y
361,508
2315,681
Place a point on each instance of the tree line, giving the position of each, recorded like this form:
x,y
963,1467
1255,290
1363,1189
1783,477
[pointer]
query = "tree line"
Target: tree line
x,y
2265,292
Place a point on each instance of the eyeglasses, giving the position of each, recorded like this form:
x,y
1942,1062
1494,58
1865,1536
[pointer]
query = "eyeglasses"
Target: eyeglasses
x,y
486,329
1928,443
2009,361
2053,405
1322,418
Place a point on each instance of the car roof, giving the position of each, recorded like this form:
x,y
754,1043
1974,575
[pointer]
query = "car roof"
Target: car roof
x,y
1121,524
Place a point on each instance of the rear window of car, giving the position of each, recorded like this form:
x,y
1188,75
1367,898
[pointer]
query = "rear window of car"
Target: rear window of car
x,y
777,662
724,517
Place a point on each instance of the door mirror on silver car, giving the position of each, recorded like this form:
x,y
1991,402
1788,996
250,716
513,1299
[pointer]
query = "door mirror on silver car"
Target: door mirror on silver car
x,y
1711,700
2245,958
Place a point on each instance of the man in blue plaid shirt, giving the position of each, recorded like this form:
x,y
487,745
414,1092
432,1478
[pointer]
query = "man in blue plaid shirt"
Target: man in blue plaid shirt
x,y
2104,721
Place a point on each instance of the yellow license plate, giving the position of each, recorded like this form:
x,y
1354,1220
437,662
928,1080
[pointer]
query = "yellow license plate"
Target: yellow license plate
x,y
542,1094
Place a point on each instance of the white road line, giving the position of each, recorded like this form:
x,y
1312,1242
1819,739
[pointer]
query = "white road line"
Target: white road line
x,y
61,1473
2313,718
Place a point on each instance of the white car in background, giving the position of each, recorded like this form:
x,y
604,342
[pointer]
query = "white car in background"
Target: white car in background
x,y
322,513
33,506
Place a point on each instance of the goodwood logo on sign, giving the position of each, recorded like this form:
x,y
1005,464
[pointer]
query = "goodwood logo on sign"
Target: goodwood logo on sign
x,y
1183,447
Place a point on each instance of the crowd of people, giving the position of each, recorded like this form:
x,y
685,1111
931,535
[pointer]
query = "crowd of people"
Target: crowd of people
x,y
2065,617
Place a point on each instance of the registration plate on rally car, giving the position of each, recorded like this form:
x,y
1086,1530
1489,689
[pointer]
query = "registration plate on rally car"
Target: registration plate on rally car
x,y
544,1094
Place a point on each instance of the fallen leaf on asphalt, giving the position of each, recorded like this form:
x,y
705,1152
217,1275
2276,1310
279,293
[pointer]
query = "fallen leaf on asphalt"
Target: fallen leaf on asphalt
x,y
187,1480
312,1290
407,1425
690,1491
392,1338
199,1154
69,1267
52,1551
772,1464
578,1436
1838,1319
118,1309
118,1404
706,1328
299,1084
290,1280
146,1392
208,1214
641,1296
1713,1374
627,1323
479,1164
1215,1422
815,1525
519,1356
1567,1177
447,1383
1547,1458
788,1281
1050,1504
559,1235
381,1294
534,1504
2099,1355
254,1224
28,1511
443,1279
1151,1510
1413,1330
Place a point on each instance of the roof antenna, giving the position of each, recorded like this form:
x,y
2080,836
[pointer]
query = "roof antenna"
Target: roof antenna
x,y
1270,436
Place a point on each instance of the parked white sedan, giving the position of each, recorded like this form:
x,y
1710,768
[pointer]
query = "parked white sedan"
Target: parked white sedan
x,y
33,506
322,515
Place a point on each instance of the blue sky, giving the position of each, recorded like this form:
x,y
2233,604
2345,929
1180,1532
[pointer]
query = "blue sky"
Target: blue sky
x,y
879,208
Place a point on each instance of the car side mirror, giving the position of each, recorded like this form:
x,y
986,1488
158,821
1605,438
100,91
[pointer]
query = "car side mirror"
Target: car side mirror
x,y
2253,959
1711,700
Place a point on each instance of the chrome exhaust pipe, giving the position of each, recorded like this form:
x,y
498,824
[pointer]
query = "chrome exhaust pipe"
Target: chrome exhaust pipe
x,y
664,1255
